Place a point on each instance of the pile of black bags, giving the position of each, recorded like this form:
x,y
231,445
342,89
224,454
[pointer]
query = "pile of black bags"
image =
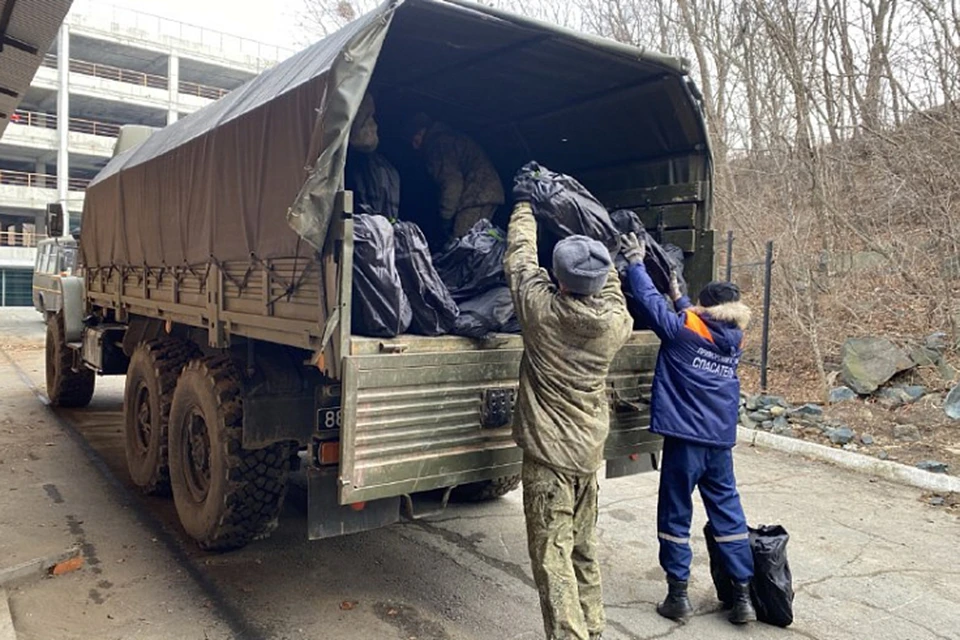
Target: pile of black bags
x,y
398,286
472,269
462,290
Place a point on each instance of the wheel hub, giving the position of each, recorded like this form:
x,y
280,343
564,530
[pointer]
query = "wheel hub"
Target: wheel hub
x,y
196,454
144,418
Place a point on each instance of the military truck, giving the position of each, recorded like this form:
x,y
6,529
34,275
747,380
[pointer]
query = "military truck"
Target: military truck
x,y
217,261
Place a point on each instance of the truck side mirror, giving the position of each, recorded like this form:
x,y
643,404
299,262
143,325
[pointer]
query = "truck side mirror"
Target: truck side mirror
x,y
54,220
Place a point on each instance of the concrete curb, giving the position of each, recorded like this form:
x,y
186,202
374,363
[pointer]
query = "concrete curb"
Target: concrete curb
x,y
893,471
35,569
7,632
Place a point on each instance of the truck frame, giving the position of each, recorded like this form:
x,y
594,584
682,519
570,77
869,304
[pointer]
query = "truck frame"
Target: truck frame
x,y
230,314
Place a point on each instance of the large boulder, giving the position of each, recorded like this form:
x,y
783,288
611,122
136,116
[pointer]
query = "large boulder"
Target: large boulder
x,y
951,405
870,362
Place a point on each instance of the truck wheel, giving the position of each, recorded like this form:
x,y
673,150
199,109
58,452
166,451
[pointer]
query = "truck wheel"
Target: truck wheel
x,y
225,495
486,490
151,379
65,387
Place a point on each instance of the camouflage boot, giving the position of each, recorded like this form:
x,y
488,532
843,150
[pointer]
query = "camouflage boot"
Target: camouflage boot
x,y
677,605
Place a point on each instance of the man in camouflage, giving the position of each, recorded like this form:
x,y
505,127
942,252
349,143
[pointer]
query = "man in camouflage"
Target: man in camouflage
x,y
570,336
470,188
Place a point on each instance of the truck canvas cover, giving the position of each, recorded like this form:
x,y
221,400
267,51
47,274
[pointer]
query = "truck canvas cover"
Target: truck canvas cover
x,y
254,175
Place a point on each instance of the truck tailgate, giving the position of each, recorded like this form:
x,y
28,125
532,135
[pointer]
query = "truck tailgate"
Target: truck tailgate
x,y
426,413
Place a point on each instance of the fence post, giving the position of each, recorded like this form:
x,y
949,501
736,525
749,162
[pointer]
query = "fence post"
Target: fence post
x,y
765,337
729,256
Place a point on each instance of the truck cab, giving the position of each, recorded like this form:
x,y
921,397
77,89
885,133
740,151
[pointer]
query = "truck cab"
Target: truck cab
x,y
56,259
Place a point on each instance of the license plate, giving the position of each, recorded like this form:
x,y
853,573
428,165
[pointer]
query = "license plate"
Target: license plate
x,y
329,418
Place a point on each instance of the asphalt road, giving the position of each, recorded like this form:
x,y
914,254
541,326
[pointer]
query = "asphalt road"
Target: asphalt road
x,y
870,559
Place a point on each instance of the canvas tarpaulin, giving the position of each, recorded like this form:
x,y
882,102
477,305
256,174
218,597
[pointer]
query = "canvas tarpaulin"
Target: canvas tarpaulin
x,y
218,184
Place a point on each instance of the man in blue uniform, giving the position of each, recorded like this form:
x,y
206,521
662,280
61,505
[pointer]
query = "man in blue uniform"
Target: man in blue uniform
x,y
696,397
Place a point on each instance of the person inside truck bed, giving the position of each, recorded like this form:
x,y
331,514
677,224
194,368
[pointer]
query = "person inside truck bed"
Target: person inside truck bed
x,y
470,188
694,406
571,333
373,179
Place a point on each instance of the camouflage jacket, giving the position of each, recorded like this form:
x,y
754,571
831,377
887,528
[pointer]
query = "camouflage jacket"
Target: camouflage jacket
x,y
463,171
562,414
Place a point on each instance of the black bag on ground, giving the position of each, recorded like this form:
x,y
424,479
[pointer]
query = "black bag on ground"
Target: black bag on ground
x,y
434,311
375,183
473,264
565,206
491,312
772,587
660,261
380,307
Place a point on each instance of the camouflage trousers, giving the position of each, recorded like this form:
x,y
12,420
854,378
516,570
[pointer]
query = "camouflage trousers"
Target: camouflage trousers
x,y
561,514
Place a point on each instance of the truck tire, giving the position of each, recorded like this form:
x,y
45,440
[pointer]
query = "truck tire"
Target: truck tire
x,y
486,490
65,387
151,380
225,495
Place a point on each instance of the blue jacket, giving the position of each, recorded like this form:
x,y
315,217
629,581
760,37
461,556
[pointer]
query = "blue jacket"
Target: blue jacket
x,y
696,392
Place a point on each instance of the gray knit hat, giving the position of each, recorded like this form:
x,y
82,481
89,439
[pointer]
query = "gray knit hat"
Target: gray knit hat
x,y
581,264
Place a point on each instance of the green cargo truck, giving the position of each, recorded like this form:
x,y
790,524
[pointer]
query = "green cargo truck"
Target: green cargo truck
x,y
217,263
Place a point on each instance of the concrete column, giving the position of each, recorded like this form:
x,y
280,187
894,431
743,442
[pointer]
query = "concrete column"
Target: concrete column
x,y
63,123
41,169
173,84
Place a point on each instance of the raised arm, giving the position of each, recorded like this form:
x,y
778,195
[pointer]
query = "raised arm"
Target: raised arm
x,y
666,323
529,284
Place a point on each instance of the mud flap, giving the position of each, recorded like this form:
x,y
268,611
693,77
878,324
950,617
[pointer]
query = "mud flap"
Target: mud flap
x,y
327,518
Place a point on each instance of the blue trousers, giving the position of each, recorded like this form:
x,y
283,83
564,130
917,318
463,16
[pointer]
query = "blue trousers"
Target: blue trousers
x,y
687,465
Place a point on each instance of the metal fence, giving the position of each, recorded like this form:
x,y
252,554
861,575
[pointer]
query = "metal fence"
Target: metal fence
x,y
12,238
76,125
39,180
139,78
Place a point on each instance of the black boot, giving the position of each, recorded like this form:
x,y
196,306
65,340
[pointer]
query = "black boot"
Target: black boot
x,y
742,611
677,605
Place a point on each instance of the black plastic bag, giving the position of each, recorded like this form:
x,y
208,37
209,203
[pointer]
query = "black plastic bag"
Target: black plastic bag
x,y
434,311
565,206
660,261
375,183
772,586
473,264
380,307
771,589
491,312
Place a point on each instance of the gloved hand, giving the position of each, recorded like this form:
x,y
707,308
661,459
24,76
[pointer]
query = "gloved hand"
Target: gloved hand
x,y
675,293
633,249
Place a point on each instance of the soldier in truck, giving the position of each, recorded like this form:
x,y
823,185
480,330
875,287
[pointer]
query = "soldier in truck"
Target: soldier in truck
x,y
470,188
571,334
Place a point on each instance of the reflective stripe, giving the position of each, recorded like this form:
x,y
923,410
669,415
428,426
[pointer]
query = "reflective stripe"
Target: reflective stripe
x,y
734,538
670,538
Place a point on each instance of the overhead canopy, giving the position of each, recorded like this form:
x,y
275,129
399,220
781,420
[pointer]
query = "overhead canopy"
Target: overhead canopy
x,y
225,181
27,29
